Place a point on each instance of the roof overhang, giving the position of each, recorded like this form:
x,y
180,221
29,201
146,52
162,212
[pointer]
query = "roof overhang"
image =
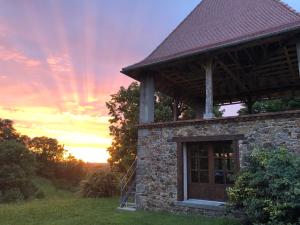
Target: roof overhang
x,y
212,49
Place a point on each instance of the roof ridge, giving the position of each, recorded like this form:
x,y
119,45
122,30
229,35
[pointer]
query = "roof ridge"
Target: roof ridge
x,y
274,16
182,22
291,9
287,6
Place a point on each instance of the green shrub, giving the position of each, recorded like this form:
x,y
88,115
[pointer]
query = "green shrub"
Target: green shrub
x,y
268,190
16,171
99,184
63,184
11,195
40,194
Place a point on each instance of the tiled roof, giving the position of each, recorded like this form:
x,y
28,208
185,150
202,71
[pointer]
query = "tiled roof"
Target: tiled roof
x,y
217,23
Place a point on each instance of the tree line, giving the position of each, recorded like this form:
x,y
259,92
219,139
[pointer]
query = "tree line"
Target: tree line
x,y
22,158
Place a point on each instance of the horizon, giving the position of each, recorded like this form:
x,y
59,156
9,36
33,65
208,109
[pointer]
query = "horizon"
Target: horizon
x,y
60,62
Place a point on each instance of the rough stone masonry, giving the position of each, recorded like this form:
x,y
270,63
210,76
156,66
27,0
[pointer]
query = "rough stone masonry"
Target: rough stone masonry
x,y
157,154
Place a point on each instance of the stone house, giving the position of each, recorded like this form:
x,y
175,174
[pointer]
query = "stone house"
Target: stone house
x,y
225,52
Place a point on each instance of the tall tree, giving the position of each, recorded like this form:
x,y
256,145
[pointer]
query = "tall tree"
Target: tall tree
x,y
48,153
16,171
47,149
123,108
7,130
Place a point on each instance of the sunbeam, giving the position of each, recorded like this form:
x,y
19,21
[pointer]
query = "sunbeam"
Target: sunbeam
x,y
60,62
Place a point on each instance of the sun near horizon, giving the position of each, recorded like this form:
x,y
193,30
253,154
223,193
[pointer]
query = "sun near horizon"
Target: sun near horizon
x,y
84,136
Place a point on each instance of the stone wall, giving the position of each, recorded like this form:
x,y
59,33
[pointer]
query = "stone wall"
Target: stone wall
x,y
157,154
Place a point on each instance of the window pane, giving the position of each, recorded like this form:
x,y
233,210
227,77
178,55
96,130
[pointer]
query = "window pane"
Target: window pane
x,y
198,150
194,164
192,147
219,164
227,148
204,163
194,154
229,164
203,150
223,149
218,151
195,177
204,177
219,177
228,155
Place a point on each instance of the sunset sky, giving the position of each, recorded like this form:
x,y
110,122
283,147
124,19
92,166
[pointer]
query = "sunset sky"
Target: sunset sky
x,y
60,62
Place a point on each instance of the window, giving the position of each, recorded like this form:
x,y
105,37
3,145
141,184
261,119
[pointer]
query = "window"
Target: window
x,y
211,162
199,163
223,163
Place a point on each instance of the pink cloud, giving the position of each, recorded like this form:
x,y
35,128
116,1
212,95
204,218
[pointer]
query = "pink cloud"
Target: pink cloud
x,y
60,63
2,77
3,30
13,55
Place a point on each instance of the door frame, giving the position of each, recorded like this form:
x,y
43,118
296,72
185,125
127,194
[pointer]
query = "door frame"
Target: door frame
x,y
182,167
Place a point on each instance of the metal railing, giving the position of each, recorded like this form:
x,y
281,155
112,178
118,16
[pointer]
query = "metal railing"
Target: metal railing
x,y
127,186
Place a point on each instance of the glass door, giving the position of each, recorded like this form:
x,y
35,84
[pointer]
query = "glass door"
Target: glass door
x,y
211,168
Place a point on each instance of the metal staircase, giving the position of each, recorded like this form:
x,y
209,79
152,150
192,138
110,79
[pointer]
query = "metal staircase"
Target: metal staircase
x,y
128,183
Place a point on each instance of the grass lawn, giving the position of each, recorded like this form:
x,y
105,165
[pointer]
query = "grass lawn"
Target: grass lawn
x,y
64,208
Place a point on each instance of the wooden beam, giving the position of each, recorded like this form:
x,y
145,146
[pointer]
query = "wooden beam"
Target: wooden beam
x,y
241,68
233,76
267,56
249,55
208,138
180,194
298,54
289,62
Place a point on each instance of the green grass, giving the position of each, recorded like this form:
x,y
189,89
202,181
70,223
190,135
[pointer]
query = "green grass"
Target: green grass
x,y
64,208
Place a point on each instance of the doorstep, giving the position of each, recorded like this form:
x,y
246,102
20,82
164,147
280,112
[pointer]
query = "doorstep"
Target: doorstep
x,y
126,209
202,204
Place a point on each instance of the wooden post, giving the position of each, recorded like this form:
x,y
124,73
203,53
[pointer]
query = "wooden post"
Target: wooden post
x,y
147,99
175,109
209,105
249,103
185,172
298,56
180,180
199,109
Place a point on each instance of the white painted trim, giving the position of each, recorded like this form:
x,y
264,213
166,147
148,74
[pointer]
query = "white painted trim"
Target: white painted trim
x,y
185,173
